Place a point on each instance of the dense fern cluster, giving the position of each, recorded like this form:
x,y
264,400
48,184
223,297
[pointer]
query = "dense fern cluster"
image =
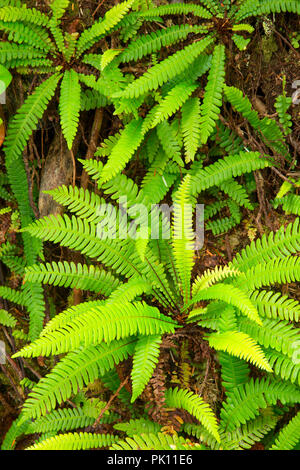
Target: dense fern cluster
x,y
143,294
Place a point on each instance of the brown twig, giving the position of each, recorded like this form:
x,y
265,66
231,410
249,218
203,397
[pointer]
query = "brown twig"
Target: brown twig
x,y
97,124
107,406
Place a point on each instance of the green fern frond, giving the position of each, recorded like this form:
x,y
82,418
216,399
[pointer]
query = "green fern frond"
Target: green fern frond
x,y
169,104
154,41
165,70
71,275
285,367
276,334
282,104
236,192
69,105
193,404
255,8
240,345
246,401
289,436
157,441
32,35
234,371
231,295
76,369
290,204
277,244
212,101
7,319
278,270
103,27
83,203
24,14
138,426
211,276
130,139
190,112
226,168
145,358
177,9
183,236
75,441
274,305
58,8
98,325
65,419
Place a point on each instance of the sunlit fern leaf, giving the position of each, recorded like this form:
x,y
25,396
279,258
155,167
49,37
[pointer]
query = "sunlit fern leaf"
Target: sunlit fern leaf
x,y
145,358
78,276
169,104
289,436
177,9
255,8
69,314
75,441
226,168
275,271
274,305
183,236
154,41
157,441
290,203
191,127
212,101
103,27
211,276
165,70
240,345
33,35
130,139
236,192
75,370
282,243
276,334
129,291
64,419
138,426
268,129
7,319
17,429
69,105
82,202
169,143
36,307
196,406
27,15
234,371
59,7
283,366
246,401
231,295
98,324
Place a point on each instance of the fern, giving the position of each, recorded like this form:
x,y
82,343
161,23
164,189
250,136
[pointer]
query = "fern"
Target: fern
x,y
194,404
191,127
102,28
289,436
165,70
69,105
144,361
212,101
75,441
